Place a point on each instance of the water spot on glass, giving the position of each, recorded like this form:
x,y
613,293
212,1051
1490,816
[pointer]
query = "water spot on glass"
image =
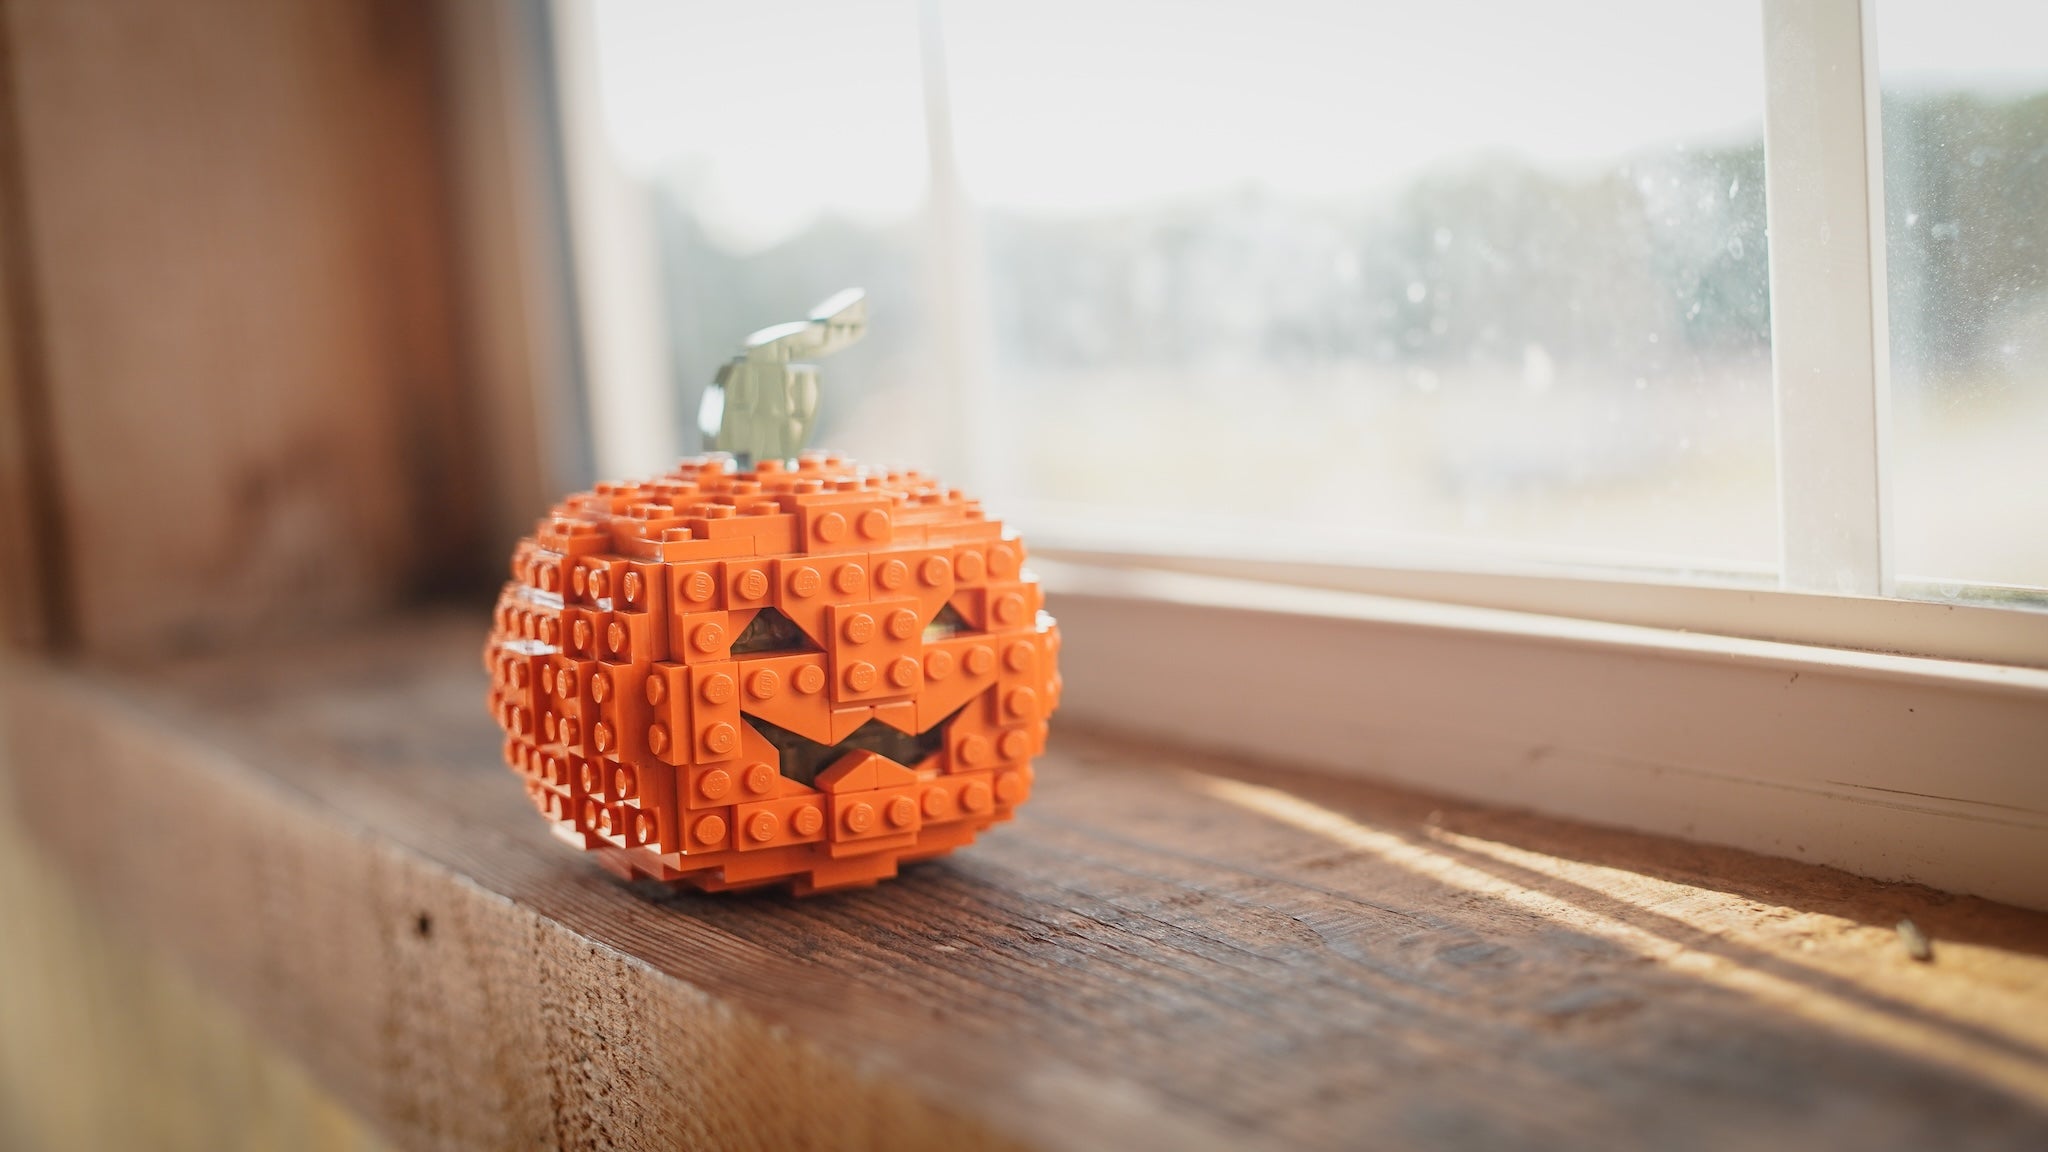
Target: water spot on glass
x,y
1539,371
1734,186
1442,239
1424,380
1912,219
1417,291
1641,384
1735,247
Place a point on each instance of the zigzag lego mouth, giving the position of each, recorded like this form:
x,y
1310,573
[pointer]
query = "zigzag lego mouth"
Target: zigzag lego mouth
x,y
803,758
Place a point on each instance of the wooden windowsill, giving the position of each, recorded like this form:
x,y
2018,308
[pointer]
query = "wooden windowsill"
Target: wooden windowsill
x,y
1164,949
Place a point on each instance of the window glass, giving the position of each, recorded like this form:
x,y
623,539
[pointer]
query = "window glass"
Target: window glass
x,y
781,145
1965,86
1341,276
1374,279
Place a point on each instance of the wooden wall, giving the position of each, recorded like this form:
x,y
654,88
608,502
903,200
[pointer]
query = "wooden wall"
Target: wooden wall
x,y
239,366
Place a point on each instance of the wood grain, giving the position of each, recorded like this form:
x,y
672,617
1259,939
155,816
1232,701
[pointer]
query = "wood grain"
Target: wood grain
x,y
1164,950
234,221
34,613
104,1044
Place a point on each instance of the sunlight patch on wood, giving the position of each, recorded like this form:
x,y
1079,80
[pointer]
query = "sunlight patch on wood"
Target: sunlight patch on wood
x,y
2011,1054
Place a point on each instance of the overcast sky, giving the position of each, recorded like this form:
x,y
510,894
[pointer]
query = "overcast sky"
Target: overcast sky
x,y
781,110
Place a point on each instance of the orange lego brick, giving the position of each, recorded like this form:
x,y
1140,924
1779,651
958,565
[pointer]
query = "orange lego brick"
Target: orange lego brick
x,y
787,674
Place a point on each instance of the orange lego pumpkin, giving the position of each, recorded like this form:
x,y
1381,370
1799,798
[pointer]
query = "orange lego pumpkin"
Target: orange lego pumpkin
x,y
802,675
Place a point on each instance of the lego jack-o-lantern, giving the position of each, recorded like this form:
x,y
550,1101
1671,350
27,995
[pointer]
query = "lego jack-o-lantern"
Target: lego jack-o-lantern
x,y
755,669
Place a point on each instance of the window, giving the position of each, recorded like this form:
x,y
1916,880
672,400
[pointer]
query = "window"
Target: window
x,y
1966,202
1351,283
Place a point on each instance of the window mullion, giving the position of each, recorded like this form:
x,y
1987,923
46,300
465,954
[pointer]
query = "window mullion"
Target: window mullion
x,y
1824,193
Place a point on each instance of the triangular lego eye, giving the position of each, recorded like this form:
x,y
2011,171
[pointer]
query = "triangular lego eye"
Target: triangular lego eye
x,y
948,622
771,631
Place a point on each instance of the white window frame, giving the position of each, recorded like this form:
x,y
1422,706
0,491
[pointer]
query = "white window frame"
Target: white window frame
x,y
1820,720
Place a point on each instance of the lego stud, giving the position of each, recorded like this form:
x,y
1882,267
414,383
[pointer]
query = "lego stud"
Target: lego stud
x,y
831,527
874,524
762,826
860,676
810,679
807,820
976,797
720,737
763,685
698,586
760,778
717,689
656,689
937,802
970,566
849,578
1014,745
892,574
1002,562
805,582
859,628
903,624
902,811
1009,609
713,785
903,672
711,829
860,816
938,665
934,571
1009,787
753,584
